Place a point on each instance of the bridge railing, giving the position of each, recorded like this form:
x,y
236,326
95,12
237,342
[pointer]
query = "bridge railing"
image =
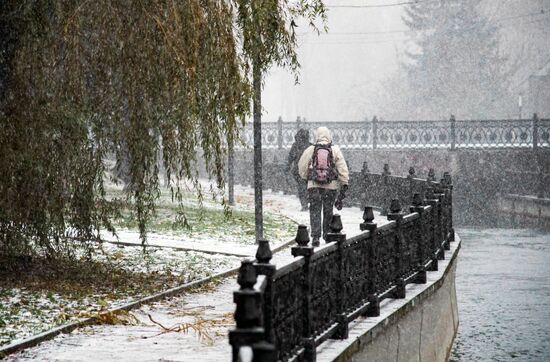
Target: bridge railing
x,y
449,134
302,304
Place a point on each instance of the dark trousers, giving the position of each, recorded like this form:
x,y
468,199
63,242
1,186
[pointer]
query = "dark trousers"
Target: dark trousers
x,y
321,201
302,190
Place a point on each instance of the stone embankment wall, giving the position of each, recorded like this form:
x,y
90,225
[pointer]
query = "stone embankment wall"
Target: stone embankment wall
x,y
524,211
420,328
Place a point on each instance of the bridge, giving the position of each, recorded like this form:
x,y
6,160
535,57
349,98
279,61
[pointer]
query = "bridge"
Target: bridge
x,y
483,156
449,134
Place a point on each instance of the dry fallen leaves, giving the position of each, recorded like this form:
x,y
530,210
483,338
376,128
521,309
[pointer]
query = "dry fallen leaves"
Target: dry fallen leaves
x,y
112,317
200,326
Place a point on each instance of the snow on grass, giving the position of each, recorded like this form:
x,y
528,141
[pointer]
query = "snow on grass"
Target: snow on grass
x,y
207,223
44,296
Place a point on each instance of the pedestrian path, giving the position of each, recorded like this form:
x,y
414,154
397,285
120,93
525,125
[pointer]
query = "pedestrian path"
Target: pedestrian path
x,y
187,327
277,203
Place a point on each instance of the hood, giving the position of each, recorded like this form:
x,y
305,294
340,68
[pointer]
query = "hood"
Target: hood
x,y
322,136
302,136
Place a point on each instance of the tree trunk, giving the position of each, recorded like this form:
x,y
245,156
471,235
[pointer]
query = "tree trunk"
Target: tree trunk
x,y
258,183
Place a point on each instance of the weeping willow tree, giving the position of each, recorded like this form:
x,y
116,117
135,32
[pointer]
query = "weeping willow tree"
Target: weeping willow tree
x,y
83,80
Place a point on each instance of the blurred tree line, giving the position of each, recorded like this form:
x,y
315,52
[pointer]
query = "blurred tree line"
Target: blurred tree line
x,y
453,64
81,81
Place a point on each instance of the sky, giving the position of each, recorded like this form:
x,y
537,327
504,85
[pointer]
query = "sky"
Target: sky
x,y
363,47
338,66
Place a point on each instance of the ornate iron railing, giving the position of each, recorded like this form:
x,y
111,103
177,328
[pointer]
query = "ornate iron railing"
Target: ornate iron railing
x,y
293,309
451,134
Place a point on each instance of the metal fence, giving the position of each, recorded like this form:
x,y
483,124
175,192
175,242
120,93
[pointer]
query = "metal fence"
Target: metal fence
x,y
450,134
285,313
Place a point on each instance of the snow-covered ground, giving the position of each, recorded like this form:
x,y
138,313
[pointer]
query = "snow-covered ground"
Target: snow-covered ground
x,y
276,204
174,256
206,316
211,230
27,309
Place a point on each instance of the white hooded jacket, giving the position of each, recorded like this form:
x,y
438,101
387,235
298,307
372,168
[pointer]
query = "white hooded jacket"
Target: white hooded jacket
x,y
322,136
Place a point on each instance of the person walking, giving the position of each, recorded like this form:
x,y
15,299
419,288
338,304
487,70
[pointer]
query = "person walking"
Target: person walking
x,y
301,142
325,169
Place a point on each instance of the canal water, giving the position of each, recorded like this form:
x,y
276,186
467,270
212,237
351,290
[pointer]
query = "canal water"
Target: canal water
x,y
503,291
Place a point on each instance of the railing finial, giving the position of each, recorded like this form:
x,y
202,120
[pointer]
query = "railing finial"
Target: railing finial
x,y
429,193
302,236
365,168
447,178
368,214
336,224
386,170
417,200
263,254
411,172
368,218
247,275
395,206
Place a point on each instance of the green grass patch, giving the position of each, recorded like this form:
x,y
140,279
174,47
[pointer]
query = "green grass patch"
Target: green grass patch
x,y
206,222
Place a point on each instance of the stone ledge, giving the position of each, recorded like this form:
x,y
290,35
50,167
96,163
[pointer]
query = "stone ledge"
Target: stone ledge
x,y
524,211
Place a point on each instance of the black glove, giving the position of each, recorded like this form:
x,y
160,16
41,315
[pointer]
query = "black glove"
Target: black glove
x,y
341,196
343,190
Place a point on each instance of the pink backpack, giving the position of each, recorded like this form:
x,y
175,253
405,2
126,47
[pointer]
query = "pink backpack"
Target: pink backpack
x,y
323,167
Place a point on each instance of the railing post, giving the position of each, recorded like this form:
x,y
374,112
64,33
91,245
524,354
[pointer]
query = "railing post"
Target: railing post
x,y
264,352
363,183
411,174
248,312
374,132
538,156
298,122
453,133
396,215
337,236
449,185
433,202
373,309
385,176
264,267
431,175
302,239
440,223
418,207
535,131
280,132
386,170
440,192
365,168
410,177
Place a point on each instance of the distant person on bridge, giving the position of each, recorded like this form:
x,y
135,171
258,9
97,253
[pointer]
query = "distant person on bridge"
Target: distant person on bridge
x,y
323,165
301,142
